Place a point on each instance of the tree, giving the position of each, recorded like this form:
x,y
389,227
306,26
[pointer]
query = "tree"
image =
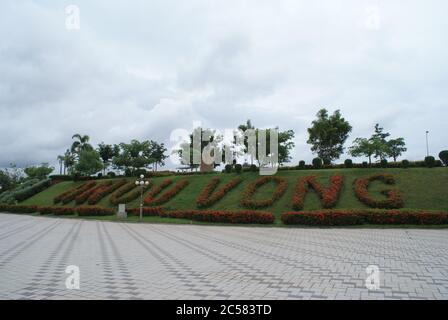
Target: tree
x,y
69,161
196,153
363,147
133,156
328,134
89,162
61,163
80,144
107,152
381,145
5,181
39,172
158,155
396,148
443,155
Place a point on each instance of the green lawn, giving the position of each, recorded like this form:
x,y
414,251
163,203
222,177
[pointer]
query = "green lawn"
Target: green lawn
x,y
421,188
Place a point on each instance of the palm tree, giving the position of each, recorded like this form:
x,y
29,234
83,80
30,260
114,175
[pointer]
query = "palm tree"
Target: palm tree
x,y
81,144
69,160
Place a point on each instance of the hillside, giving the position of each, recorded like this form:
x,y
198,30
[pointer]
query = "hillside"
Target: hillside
x,y
421,188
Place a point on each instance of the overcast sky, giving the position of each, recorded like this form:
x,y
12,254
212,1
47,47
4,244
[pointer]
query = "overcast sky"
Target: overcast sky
x,y
140,69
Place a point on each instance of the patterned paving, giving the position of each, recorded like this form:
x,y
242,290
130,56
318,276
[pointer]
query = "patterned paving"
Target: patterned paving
x,y
148,261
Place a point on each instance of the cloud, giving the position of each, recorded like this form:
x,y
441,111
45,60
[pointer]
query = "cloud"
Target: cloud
x,y
142,69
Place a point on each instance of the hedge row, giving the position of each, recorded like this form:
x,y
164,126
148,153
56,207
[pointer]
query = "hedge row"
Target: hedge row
x,y
247,200
104,190
329,196
147,212
359,217
59,210
394,199
71,194
244,217
125,194
151,199
9,196
209,195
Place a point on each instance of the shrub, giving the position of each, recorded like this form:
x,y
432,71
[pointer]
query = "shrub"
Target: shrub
x,y
253,168
317,163
150,199
17,208
238,168
94,211
393,201
247,201
80,199
329,196
301,165
348,163
365,164
125,193
147,212
443,155
247,216
228,168
103,190
430,162
58,211
383,163
111,174
327,162
405,164
209,195
71,194
358,217
61,177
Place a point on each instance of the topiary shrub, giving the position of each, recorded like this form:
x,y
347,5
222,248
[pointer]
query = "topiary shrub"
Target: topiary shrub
x,y
317,163
383,163
405,164
430,162
111,174
348,163
253,168
228,168
238,168
365,164
302,164
327,162
443,155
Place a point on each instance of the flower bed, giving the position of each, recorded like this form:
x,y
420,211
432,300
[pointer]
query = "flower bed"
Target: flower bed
x,y
71,194
359,217
329,196
393,201
209,196
104,190
125,194
94,211
248,202
244,217
147,212
151,200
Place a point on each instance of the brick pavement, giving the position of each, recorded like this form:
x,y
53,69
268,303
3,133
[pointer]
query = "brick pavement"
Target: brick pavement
x,y
158,261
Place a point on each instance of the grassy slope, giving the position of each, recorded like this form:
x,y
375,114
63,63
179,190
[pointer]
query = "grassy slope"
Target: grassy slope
x,y
422,189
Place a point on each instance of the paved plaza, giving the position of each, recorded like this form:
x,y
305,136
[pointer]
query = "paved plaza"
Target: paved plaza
x,y
158,261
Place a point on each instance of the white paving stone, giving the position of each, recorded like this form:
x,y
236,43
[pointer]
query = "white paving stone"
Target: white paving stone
x,y
158,261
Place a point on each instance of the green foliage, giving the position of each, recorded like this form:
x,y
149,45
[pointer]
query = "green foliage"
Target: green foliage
x,y
348,163
383,163
443,155
238,168
228,168
405,164
396,148
328,134
253,168
301,164
107,152
89,163
317,163
5,181
39,172
430,161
